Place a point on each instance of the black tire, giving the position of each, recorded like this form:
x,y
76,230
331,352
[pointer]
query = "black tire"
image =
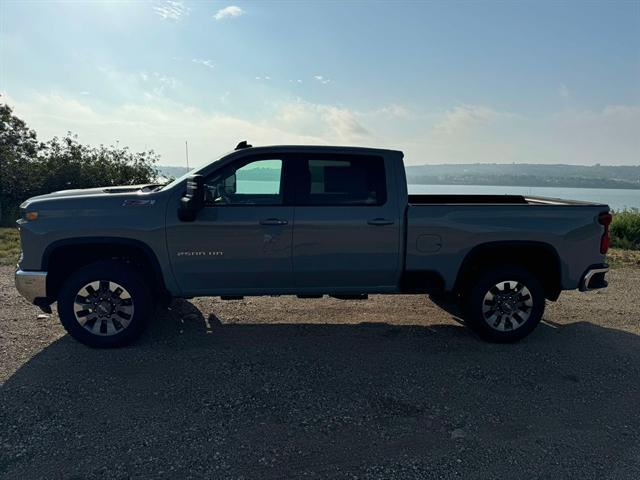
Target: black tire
x,y
504,327
115,272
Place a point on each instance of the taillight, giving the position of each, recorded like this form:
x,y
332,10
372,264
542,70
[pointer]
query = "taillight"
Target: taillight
x,y
605,219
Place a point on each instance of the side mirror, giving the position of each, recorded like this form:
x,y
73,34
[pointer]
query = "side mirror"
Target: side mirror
x,y
193,201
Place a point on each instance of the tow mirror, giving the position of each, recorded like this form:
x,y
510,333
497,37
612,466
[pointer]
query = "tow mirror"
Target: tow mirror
x,y
193,201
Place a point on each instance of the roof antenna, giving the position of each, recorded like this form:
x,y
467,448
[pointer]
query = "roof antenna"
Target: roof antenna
x,y
186,152
243,144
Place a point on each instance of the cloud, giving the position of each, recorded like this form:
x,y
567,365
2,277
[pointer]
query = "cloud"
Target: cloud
x,y
204,62
395,111
463,118
165,80
461,134
337,124
171,9
227,12
322,79
159,124
345,123
131,85
156,84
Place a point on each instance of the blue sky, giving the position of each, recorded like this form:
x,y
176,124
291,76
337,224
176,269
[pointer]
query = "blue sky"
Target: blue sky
x,y
447,82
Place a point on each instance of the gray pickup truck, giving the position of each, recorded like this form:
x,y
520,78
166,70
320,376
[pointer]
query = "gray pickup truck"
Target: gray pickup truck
x,y
307,221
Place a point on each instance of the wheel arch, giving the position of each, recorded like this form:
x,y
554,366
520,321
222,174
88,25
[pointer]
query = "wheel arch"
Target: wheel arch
x,y
540,258
63,257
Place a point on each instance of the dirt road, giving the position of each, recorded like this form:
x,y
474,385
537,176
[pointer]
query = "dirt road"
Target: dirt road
x,y
392,387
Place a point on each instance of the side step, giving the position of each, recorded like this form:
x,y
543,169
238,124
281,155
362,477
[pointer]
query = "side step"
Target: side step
x,y
360,296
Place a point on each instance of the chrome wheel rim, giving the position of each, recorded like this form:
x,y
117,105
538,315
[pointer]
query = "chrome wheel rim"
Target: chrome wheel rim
x,y
103,308
507,305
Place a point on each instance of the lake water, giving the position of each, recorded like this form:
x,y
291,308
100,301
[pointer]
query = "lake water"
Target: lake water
x,y
616,198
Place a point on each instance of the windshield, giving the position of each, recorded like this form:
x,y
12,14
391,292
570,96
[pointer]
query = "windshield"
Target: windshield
x,y
177,180
183,177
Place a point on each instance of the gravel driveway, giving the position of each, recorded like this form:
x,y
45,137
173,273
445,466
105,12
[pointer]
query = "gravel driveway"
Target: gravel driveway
x,y
267,388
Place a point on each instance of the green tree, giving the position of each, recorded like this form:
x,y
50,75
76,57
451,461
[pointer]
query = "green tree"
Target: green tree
x,y
29,167
65,164
18,158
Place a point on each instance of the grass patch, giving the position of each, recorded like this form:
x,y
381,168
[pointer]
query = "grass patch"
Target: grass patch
x,y
618,258
9,246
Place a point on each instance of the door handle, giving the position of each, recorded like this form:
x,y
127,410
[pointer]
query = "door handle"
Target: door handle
x,y
273,221
380,221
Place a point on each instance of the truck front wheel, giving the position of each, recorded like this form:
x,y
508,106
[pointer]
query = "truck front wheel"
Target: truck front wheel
x,y
105,304
504,305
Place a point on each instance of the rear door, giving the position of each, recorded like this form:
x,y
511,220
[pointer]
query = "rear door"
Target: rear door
x,y
347,231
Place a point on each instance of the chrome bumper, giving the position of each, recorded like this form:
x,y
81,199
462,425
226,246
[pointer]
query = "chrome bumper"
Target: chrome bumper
x,y
31,285
594,278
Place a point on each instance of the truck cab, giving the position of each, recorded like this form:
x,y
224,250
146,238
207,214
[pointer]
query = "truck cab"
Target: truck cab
x,y
326,221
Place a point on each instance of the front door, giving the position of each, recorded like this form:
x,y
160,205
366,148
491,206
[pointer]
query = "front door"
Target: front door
x,y
240,241
347,228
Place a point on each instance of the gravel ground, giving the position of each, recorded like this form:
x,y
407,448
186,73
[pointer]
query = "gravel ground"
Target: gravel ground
x,y
267,388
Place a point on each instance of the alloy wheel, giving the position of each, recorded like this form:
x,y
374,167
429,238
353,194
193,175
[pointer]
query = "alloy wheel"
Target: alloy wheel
x,y
507,305
103,307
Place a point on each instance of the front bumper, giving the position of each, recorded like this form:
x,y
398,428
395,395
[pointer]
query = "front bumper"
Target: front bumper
x,y
31,285
594,278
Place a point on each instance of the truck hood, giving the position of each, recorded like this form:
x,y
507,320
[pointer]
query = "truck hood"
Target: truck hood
x,y
85,192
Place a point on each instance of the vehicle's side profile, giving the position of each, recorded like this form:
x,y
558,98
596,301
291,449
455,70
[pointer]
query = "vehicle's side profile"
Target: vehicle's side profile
x,y
306,221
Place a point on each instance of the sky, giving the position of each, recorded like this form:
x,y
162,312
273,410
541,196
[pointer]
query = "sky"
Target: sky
x,y
446,82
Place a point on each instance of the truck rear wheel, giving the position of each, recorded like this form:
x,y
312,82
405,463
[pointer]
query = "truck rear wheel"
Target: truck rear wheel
x,y
504,305
105,304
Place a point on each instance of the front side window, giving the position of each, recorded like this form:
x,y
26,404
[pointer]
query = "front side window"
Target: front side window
x,y
257,182
342,181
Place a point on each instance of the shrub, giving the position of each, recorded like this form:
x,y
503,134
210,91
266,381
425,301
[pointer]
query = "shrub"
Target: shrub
x,y
29,167
625,229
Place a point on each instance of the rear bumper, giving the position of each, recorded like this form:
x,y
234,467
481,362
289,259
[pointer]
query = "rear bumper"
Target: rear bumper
x,y
594,278
31,285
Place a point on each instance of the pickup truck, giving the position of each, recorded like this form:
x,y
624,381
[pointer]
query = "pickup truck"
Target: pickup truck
x,y
306,221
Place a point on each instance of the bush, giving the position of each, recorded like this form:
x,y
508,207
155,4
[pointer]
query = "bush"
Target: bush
x,y
29,167
625,229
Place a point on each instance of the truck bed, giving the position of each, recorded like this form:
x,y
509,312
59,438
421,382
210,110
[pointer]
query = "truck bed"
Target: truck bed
x,y
442,230
445,199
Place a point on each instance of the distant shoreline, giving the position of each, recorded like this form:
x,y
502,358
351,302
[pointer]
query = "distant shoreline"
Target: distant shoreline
x,y
528,175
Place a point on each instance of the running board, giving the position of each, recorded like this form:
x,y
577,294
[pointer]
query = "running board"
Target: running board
x,y
359,296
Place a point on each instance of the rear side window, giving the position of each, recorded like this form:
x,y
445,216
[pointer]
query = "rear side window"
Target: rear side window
x,y
341,181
